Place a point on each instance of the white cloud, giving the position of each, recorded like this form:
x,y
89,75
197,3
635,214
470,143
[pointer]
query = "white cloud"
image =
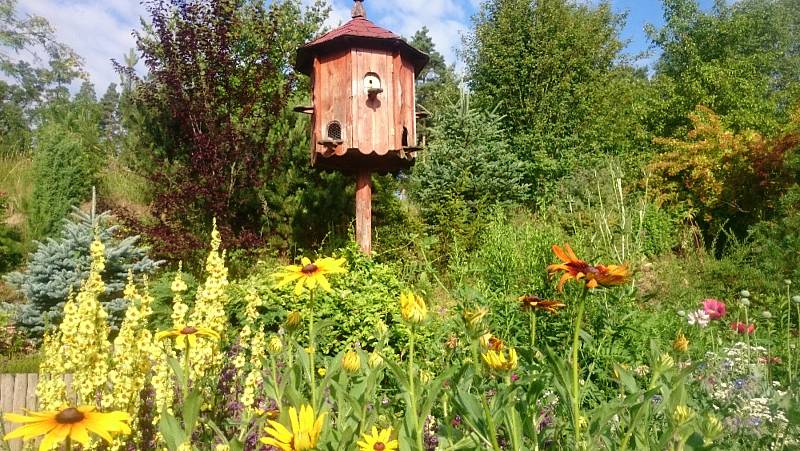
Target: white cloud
x,y
97,30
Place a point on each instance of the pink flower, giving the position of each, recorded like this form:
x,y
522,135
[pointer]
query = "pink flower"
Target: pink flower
x,y
714,308
742,328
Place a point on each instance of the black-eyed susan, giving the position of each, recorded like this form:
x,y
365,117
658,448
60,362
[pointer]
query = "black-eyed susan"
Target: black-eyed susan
x,y
681,343
310,275
68,424
577,269
501,360
412,307
531,302
187,334
378,441
306,427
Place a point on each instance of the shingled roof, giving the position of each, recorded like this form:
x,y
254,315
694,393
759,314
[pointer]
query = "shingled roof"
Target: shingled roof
x,y
357,33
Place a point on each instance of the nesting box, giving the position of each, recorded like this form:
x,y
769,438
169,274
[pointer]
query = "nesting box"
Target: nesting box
x,y
363,112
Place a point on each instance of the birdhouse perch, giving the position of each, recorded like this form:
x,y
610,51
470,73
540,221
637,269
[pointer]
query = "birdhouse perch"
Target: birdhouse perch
x,y
363,112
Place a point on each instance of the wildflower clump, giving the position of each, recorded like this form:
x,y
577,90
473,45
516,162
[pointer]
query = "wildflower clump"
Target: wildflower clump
x,y
253,350
131,361
81,346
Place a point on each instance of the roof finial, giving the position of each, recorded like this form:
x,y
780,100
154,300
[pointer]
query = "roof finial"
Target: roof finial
x,y
358,9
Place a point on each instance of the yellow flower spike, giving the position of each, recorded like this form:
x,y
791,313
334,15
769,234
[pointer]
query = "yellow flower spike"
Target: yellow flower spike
x,y
378,440
74,423
412,307
309,275
351,362
681,343
303,435
500,361
187,334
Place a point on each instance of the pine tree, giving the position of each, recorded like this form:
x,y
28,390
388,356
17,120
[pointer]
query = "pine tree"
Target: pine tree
x,y
58,266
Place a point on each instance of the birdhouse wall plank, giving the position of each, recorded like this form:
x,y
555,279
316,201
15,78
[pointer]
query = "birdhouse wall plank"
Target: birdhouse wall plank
x,y
315,103
408,112
373,116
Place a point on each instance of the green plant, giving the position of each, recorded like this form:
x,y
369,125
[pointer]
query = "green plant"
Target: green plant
x,y
58,266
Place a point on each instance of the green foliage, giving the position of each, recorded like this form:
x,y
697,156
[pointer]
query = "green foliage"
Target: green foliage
x,y
366,296
740,59
65,164
552,66
469,160
59,265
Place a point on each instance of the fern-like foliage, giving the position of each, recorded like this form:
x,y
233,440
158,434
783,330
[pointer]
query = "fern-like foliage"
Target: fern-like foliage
x,y
59,265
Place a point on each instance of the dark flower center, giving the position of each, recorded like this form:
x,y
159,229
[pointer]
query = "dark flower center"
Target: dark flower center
x,y
379,446
309,269
70,416
188,330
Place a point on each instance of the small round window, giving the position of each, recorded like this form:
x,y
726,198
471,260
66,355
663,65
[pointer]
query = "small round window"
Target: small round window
x,y
334,130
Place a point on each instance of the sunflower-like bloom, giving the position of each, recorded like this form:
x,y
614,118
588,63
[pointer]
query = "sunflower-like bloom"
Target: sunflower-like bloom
x,y
531,302
304,434
72,422
187,334
577,269
378,440
499,361
309,275
413,307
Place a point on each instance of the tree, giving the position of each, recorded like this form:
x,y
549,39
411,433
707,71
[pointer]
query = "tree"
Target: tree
x,y
437,84
65,163
742,60
554,68
468,161
219,75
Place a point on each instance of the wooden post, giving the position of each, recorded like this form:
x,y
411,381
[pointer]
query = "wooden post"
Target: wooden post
x,y
364,211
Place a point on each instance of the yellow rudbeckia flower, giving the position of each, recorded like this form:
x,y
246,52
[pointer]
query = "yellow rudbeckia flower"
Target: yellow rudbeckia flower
x,y
187,334
309,275
498,361
306,427
378,440
73,423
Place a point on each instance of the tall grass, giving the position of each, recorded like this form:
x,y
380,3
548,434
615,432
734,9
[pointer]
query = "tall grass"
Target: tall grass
x,y
16,180
120,186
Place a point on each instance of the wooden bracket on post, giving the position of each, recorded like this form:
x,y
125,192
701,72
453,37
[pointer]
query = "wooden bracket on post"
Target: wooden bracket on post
x,y
364,211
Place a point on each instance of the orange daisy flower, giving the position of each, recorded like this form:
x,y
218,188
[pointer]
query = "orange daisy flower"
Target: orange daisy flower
x,y
577,269
531,302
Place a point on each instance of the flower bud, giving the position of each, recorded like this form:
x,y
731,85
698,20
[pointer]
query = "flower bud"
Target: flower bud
x,y
292,321
275,345
665,362
787,281
744,294
745,302
381,330
474,318
425,377
796,299
375,360
682,414
681,344
766,314
351,362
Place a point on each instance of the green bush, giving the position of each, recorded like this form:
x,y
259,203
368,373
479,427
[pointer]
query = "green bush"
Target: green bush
x,y
367,295
65,164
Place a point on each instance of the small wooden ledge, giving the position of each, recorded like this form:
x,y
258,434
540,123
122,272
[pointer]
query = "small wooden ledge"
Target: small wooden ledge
x,y
303,109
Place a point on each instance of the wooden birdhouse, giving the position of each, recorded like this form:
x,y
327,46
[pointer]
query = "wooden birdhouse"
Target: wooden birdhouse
x,y
363,113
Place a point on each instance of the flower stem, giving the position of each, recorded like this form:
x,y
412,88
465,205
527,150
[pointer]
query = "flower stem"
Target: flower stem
x,y
533,330
490,424
312,365
68,444
412,396
576,395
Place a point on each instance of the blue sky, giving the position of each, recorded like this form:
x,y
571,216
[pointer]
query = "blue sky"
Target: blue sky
x,y
101,29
